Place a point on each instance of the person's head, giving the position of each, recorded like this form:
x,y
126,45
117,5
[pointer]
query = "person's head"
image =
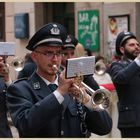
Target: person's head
x,y
69,48
127,45
79,50
46,46
88,52
99,58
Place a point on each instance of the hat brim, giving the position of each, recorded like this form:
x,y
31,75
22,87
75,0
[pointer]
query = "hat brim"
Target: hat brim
x,y
67,46
46,44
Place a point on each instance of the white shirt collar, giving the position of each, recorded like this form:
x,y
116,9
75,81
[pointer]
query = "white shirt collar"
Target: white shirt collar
x,y
48,82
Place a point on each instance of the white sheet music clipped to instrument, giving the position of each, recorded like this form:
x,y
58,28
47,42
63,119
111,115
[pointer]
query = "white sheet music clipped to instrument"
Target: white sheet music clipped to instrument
x,y
80,66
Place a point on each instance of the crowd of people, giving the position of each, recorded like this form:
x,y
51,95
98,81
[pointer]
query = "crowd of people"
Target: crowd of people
x,y
42,103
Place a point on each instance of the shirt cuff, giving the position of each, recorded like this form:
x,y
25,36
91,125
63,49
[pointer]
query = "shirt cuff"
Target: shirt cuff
x,y
137,61
8,82
58,96
89,104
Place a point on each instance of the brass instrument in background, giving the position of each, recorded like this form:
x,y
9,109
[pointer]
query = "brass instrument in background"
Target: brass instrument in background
x,y
17,64
100,98
100,68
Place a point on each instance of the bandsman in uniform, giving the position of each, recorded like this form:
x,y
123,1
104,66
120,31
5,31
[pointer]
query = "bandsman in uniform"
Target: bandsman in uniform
x,y
5,81
68,51
126,78
41,105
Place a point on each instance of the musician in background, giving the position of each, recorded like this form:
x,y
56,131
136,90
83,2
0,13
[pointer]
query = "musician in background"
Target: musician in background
x,y
5,81
126,78
69,49
41,105
100,74
28,68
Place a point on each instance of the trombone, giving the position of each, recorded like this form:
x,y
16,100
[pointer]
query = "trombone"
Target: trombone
x,y
100,98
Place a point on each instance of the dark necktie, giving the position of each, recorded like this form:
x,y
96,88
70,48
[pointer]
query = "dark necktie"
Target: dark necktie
x,y
52,87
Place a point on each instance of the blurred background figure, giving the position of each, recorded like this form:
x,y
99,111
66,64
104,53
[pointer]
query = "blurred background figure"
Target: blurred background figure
x,y
104,81
79,50
100,74
29,67
115,58
88,52
73,49
5,81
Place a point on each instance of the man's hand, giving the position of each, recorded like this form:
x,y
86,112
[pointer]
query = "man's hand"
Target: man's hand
x,y
4,70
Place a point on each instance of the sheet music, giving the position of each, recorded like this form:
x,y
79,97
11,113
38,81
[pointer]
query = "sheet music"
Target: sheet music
x,y
80,66
7,48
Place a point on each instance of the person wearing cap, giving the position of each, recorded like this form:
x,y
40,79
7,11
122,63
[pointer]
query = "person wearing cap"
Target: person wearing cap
x,y
126,78
41,105
69,52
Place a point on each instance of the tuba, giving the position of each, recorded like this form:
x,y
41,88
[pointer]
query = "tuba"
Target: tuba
x,y
100,98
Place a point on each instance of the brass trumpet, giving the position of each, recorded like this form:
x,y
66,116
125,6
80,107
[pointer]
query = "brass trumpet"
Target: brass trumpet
x,y
100,98
100,68
17,64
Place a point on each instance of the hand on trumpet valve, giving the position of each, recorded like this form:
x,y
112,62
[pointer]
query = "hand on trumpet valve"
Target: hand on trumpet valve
x,y
4,71
79,93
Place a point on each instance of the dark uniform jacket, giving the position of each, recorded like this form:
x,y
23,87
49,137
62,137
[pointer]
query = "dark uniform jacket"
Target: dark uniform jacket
x,y
28,69
37,113
126,78
5,131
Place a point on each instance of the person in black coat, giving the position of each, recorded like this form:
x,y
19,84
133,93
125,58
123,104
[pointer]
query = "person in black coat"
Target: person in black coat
x,y
42,105
29,67
126,78
69,52
5,131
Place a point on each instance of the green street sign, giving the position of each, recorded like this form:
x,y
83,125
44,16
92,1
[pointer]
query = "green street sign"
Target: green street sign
x,y
88,29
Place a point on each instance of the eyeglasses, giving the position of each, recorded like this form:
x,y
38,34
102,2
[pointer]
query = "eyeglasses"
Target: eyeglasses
x,y
50,54
68,53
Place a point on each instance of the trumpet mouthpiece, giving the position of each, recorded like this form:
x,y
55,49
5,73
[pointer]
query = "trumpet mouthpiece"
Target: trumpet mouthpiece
x,y
56,69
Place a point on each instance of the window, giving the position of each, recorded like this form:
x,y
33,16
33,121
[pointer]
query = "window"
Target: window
x,y
2,22
61,12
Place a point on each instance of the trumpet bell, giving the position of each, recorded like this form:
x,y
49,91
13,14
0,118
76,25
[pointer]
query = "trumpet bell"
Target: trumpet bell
x,y
100,99
100,68
18,64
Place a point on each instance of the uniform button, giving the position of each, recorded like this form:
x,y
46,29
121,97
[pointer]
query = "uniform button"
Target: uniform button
x,y
4,90
62,133
126,108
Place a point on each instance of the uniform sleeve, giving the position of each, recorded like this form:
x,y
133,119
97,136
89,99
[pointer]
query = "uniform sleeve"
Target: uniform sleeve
x,y
99,122
90,81
121,73
27,111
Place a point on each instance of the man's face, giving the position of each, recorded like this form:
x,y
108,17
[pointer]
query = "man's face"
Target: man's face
x,y
45,58
131,49
67,54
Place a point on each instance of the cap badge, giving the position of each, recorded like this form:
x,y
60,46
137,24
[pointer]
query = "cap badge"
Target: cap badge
x,y
55,30
36,85
126,33
68,39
